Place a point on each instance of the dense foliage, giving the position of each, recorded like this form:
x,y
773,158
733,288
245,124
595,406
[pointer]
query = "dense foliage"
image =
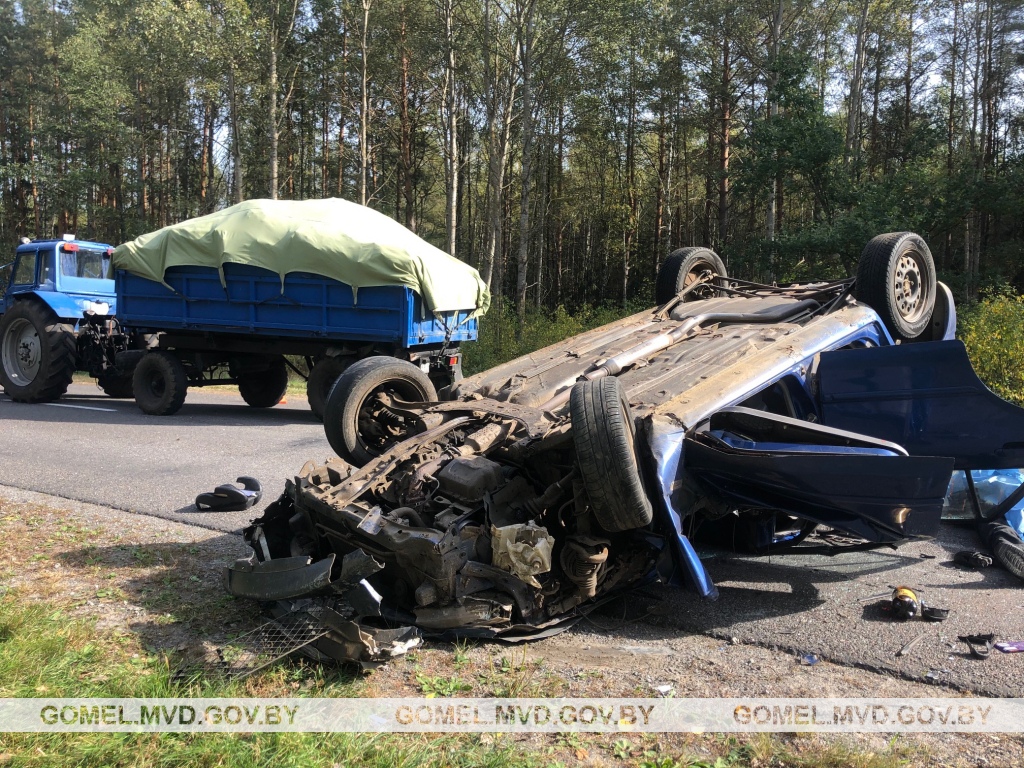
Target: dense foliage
x,y
562,148
992,331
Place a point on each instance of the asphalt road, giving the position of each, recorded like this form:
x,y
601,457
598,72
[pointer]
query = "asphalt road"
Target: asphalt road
x,y
91,448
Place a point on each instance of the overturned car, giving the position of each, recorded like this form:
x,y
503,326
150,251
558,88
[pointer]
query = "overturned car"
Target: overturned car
x,y
532,491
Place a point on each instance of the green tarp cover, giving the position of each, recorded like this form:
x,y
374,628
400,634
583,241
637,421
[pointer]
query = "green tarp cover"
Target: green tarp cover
x,y
334,238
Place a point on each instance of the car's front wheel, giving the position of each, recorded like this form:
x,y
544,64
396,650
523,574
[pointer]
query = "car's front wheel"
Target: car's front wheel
x,y
896,278
604,436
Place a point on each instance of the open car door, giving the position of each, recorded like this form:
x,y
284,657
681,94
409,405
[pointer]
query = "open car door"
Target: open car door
x,y
927,398
868,487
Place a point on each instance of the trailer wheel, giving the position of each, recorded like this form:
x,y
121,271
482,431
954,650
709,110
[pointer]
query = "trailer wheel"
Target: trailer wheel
x,y
318,386
604,436
160,384
117,385
896,278
264,389
682,268
37,353
357,424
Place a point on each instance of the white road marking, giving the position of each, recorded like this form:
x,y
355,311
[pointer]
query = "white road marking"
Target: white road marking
x,y
81,407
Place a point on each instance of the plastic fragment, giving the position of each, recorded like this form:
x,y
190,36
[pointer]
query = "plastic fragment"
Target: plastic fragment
x,y
979,645
1006,646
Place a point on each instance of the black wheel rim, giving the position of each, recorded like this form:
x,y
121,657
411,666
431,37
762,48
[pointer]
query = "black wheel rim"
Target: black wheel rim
x,y
155,385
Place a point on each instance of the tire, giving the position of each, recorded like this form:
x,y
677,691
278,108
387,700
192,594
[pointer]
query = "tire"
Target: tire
x,y
605,436
357,428
896,278
37,353
321,379
160,384
682,268
265,389
117,385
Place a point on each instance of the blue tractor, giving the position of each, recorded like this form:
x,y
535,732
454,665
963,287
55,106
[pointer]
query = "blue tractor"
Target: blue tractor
x,y
59,300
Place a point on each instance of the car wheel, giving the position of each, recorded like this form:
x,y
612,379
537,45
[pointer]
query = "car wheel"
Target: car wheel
x,y
116,385
264,389
160,384
682,268
325,372
896,278
604,435
358,425
37,353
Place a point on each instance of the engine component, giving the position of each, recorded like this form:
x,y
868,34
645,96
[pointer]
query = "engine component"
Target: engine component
x,y
582,559
470,478
522,550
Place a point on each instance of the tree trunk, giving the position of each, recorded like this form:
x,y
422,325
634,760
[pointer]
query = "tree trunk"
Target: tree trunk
x,y
405,139
451,127
774,43
853,115
364,85
272,111
723,166
525,24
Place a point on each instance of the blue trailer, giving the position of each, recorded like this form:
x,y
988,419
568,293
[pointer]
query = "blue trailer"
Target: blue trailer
x,y
195,329
203,330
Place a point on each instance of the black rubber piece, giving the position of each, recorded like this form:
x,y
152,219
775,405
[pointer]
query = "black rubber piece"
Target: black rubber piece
x,y
358,442
931,613
604,435
980,646
56,358
321,379
673,271
160,384
876,274
264,389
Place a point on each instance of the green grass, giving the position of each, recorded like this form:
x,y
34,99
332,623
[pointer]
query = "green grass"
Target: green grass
x,y
44,652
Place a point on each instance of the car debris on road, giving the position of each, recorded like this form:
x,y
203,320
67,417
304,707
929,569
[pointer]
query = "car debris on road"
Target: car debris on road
x,y
534,491
231,498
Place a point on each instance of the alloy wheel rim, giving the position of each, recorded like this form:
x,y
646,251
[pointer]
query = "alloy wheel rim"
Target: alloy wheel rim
x,y
22,352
